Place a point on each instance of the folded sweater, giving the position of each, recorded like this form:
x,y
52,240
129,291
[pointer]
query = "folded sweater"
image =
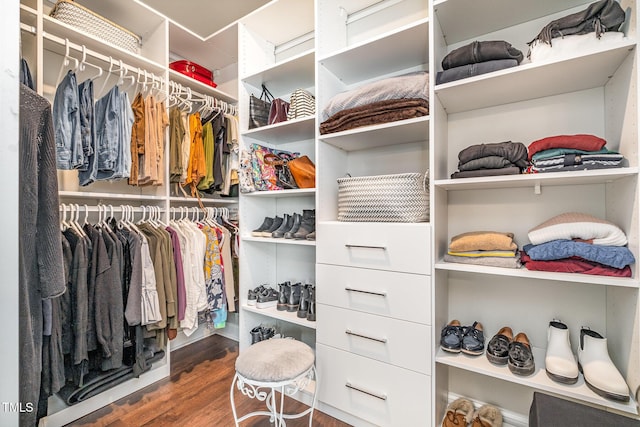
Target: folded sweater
x,y
613,256
575,225
482,241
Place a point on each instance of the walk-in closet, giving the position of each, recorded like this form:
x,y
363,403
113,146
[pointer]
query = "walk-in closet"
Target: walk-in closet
x,y
441,190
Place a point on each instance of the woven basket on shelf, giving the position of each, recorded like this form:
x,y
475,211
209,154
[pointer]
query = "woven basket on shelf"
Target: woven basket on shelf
x,y
384,198
90,22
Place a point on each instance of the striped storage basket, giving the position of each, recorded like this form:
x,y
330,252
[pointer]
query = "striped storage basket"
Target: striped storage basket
x,y
302,104
384,198
90,22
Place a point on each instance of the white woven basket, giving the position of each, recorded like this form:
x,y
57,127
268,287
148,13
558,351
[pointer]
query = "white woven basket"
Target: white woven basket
x,y
384,198
90,22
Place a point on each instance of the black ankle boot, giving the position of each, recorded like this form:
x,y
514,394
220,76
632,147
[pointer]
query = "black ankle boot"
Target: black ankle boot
x,y
297,220
266,224
303,308
287,223
308,226
294,297
256,334
311,313
283,295
277,222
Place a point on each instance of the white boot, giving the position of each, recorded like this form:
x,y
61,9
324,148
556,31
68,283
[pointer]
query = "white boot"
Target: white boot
x,y
600,374
560,363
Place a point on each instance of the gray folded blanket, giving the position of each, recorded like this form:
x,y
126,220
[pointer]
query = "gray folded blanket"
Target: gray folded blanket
x,y
513,170
470,70
515,152
481,51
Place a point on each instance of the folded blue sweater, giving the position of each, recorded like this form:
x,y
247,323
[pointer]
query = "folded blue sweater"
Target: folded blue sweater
x,y
613,256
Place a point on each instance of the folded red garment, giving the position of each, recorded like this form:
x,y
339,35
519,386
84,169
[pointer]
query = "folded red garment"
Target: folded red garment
x,y
574,265
577,142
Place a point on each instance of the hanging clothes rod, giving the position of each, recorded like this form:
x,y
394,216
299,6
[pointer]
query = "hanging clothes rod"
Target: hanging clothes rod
x,y
188,96
75,207
106,59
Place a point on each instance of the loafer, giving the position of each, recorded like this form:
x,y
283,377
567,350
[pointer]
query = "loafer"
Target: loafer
x,y
451,337
473,340
520,356
498,346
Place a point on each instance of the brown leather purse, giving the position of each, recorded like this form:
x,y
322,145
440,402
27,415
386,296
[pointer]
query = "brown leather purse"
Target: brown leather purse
x,y
303,171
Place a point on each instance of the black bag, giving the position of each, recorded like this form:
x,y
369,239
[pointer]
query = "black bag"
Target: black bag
x,y
259,108
601,16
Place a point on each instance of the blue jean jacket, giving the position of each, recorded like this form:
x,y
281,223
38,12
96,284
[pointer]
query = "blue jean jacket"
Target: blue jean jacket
x,y
66,120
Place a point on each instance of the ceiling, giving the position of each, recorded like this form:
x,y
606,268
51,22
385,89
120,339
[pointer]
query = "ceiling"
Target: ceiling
x,y
204,17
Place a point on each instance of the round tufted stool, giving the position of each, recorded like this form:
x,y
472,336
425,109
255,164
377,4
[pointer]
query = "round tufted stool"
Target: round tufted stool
x,y
278,364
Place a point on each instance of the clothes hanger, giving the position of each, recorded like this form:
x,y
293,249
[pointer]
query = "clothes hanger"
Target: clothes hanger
x,y
65,61
63,219
82,66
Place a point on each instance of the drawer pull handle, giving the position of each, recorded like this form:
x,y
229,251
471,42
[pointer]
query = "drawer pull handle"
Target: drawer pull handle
x,y
349,332
384,248
370,393
380,294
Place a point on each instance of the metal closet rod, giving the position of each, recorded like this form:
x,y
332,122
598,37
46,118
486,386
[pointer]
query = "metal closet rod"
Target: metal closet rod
x,y
185,93
106,59
76,207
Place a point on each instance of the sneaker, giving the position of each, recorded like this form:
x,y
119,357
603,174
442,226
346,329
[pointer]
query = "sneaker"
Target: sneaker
x,y
268,298
266,224
473,340
252,298
451,337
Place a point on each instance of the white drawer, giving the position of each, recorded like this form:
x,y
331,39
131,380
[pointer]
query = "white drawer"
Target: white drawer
x,y
382,246
401,343
399,295
376,392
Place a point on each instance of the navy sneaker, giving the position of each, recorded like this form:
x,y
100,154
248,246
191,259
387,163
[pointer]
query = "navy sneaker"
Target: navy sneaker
x,y
451,337
473,339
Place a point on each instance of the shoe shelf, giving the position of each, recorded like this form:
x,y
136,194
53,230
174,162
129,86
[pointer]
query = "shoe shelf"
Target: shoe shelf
x,y
538,380
381,55
534,80
535,181
286,316
284,132
279,241
394,133
300,192
539,275
298,70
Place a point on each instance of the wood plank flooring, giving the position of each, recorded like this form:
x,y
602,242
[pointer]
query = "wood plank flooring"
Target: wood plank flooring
x,y
196,394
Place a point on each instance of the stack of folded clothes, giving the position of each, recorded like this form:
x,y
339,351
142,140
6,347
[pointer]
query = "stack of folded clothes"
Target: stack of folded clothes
x,y
478,57
490,248
563,153
579,33
387,100
578,243
500,158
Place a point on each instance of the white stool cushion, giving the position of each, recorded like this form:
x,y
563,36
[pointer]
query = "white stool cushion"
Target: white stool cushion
x,y
275,360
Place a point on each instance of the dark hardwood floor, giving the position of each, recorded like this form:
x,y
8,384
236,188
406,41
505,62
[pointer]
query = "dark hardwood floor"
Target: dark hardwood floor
x,y
196,394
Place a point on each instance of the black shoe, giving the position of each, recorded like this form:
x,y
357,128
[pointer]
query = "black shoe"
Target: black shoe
x,y
267,332
309,214
473,340
287,223
303,308
520,356
294,297
307,226
268,298
277,222
266,224
283,295
311,313
256,334
252,298
297,220
451,337
498,347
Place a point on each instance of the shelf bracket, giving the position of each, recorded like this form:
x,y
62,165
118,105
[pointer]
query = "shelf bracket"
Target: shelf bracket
x,y
536,189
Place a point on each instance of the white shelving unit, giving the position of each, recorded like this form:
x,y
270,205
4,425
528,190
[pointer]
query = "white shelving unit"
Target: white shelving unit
x,y
592,93
282,57
373,278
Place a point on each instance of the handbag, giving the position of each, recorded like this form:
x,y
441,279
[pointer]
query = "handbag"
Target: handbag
x,y
284,179
303,104
303,171
278,111
265,175
259,108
